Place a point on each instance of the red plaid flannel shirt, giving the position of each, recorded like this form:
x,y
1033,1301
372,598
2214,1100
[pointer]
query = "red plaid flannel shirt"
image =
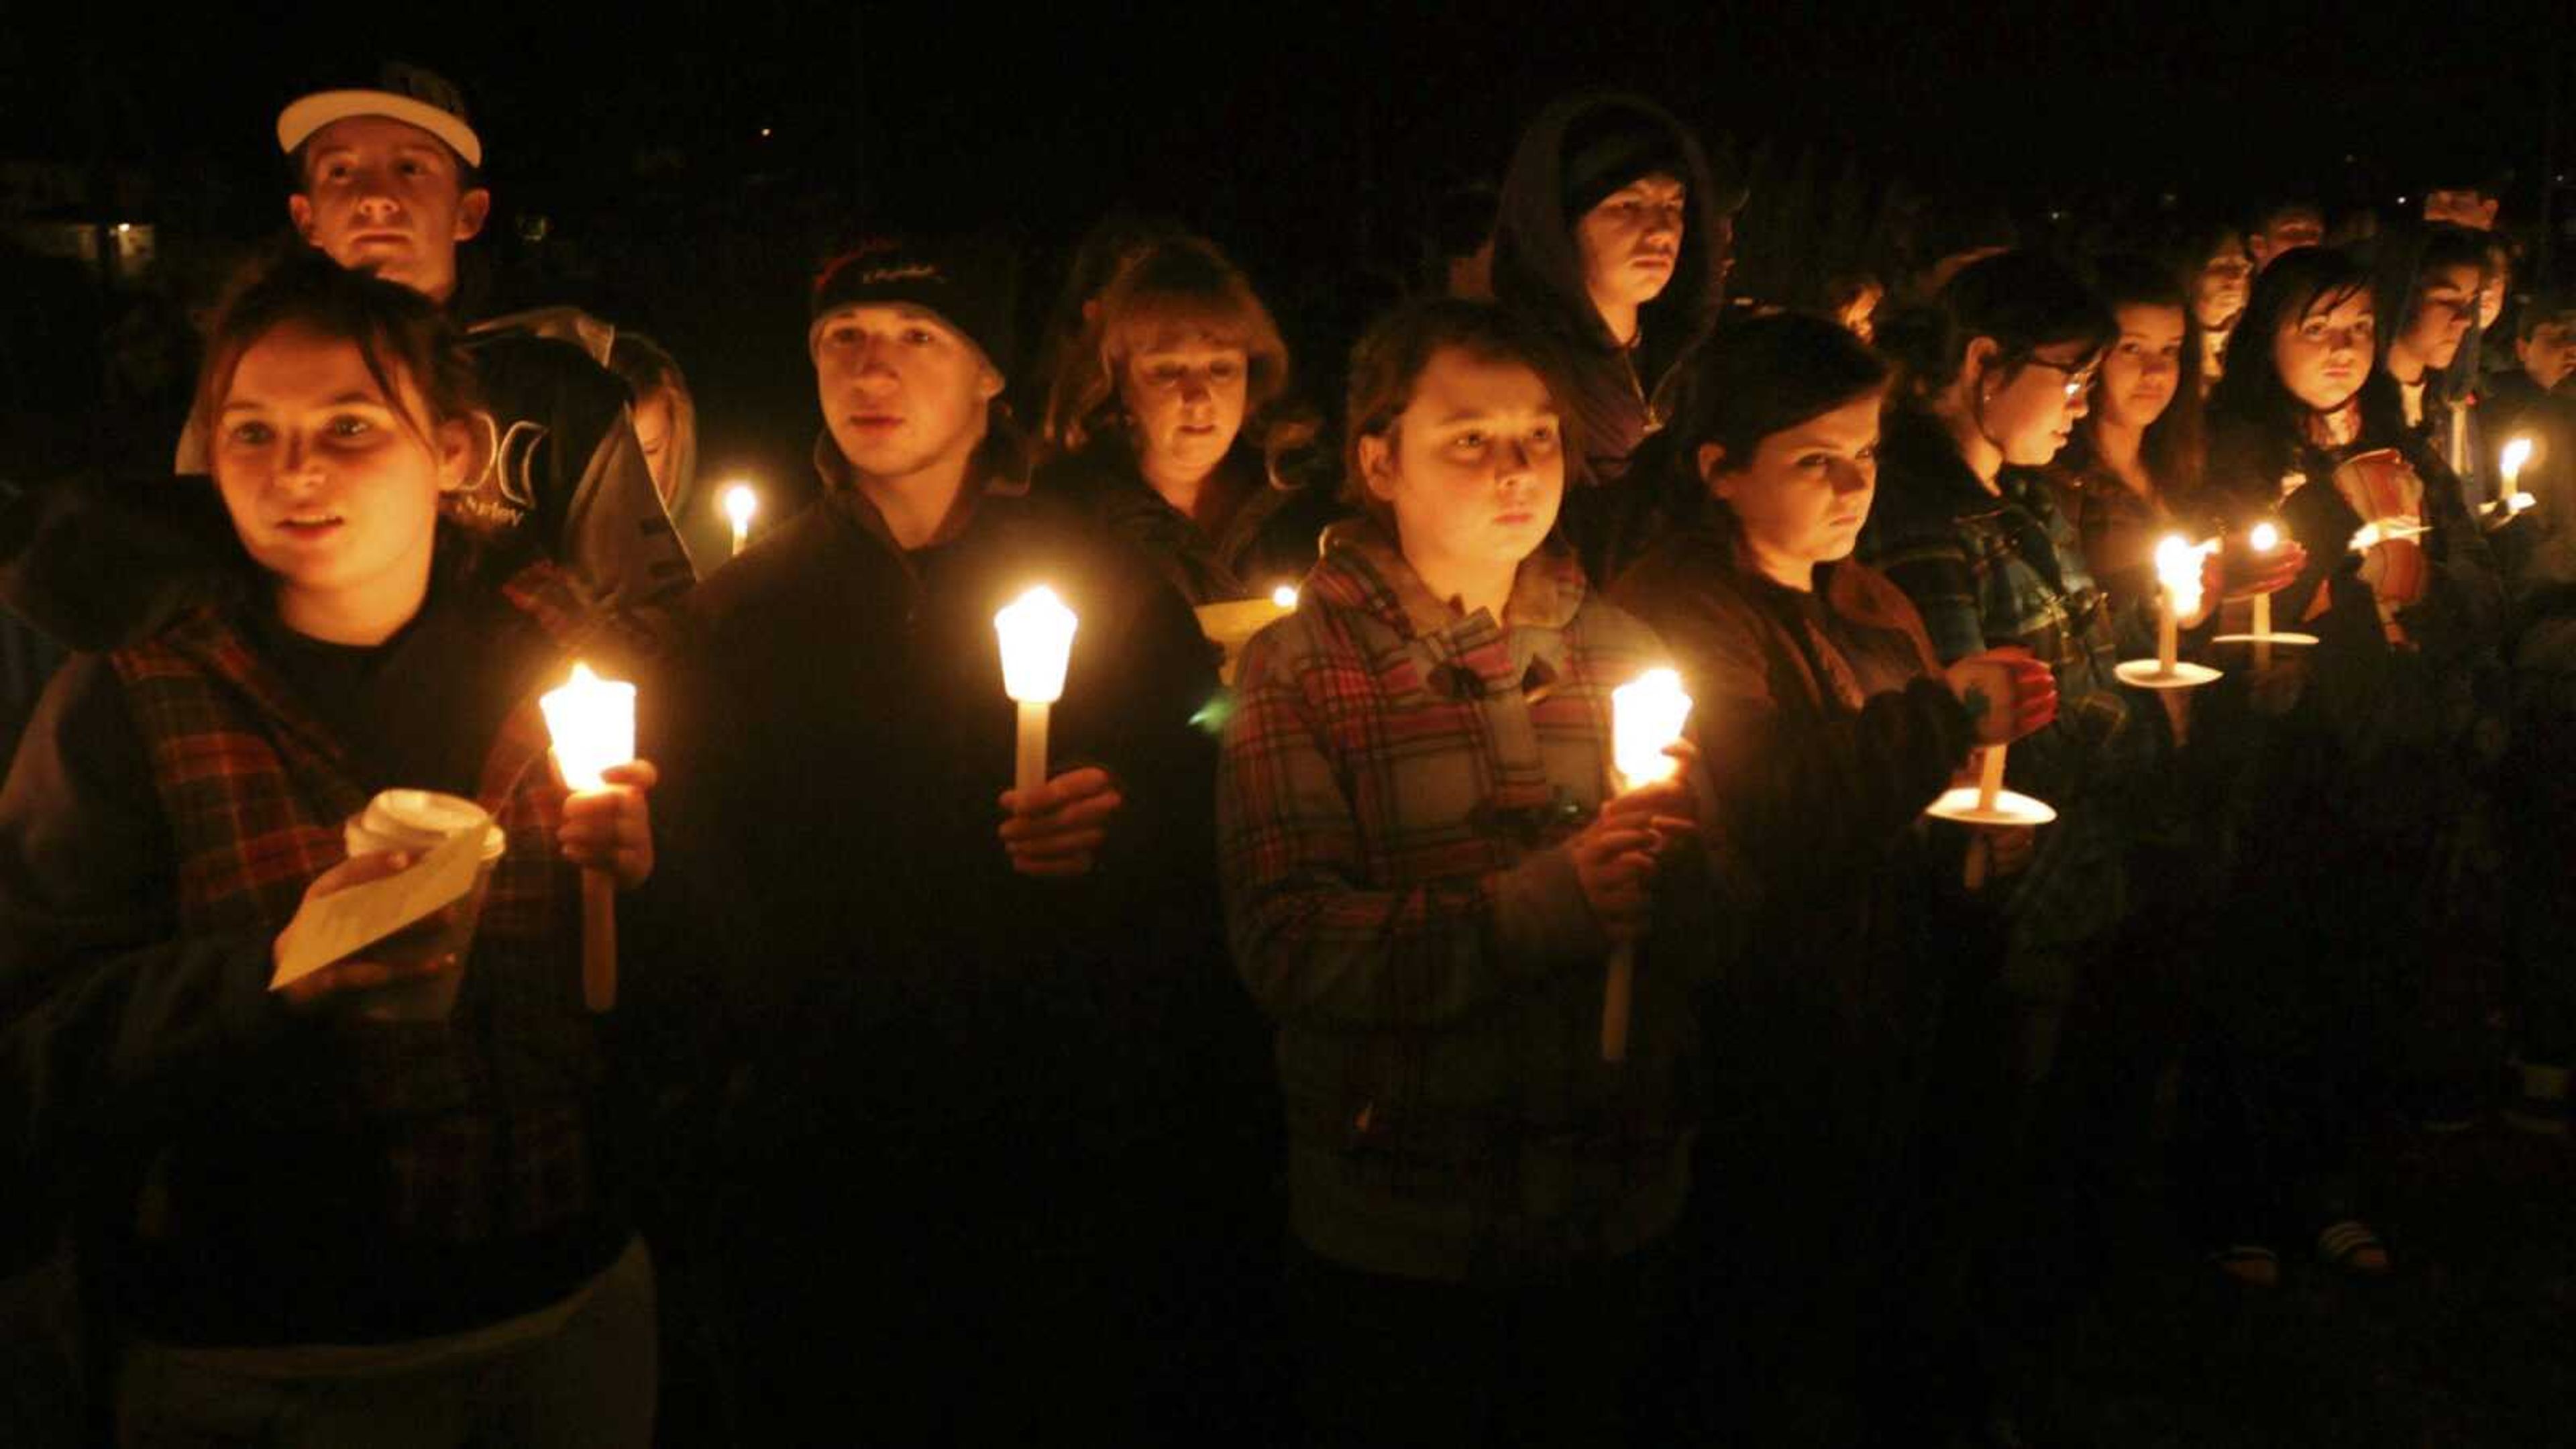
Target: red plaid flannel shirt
x,y
1392,781
481,1122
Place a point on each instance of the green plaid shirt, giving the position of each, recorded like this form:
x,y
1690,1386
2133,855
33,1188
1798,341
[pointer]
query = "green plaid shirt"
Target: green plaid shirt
x,y
1991,570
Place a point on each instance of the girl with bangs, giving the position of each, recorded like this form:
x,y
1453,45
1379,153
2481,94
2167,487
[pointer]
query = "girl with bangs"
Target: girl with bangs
x,y
1427,866
2133,463
2347,763
1828,725
1171,425
300,1207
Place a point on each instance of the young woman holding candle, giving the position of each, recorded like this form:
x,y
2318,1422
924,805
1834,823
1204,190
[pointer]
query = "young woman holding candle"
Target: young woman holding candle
x,y
2131,467
296,1211
2347,761
1996,376
1968,526
1828,725
1173,432
1426,870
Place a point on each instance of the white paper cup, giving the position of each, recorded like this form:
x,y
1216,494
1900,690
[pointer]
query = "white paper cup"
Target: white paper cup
x,y
420,821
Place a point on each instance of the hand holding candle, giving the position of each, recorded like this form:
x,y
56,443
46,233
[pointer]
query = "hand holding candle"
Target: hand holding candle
x,y
740,503
592,721
2267,564
2180,576
1646,718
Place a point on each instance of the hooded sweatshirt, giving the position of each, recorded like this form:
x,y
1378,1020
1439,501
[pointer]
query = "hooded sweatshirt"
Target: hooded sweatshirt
x,y
1621,394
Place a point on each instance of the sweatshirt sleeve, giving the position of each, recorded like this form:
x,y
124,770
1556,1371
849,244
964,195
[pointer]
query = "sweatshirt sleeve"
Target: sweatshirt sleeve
x,y
1801,796
617,536
111,1023
1317,943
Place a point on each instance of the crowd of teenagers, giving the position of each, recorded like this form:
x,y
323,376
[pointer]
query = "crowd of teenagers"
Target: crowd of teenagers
x,y
1247,1078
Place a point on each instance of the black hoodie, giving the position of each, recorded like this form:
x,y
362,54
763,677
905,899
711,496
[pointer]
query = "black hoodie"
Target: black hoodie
x,y
1539,266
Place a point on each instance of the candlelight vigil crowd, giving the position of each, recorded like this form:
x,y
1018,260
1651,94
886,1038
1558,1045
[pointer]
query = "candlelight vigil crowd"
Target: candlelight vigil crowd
x,y
1602,863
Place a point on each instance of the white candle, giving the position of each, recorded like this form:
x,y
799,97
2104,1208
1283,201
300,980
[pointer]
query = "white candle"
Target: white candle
x,y
2178,574
592,721
2264,538
740,503
1990,777
1036,631
1646,714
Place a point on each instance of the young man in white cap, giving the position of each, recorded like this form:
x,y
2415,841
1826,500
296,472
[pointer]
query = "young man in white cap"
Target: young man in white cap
x,y
388,179
987,1046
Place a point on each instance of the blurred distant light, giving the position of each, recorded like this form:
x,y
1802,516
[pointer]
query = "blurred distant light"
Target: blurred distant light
x,y
764,133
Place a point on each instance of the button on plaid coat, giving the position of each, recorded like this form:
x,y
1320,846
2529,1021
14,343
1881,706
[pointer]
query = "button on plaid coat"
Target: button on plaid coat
x,y
1394,782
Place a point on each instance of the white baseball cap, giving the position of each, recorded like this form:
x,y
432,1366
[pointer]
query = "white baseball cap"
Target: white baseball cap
x,y
405,93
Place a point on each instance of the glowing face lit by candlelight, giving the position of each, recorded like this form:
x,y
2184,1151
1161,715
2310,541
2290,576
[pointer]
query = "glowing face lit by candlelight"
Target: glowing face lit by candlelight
x,y
2445,305
653,435
1803,496
387,197
2548,355
1473,468
2143,367
2225,278
332,485
2028,409
903,393
1185,398
1632,240
2324,353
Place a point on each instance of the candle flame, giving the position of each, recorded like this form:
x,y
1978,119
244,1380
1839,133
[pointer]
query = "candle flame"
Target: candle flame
x,y
2178,569
740,503
2265,538
1285,596
592,721
1037,641
1647,714
2516,454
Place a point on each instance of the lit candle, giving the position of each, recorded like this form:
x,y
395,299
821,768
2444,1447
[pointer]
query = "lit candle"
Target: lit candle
x,y
1646,714
1037,641
740,503
2178,572
2516,454
2264,539
592,721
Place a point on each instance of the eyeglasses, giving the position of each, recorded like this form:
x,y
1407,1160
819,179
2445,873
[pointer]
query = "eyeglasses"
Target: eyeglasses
x,y
2079,375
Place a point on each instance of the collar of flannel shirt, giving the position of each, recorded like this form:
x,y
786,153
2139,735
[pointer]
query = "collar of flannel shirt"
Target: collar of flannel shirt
x,y
1372,575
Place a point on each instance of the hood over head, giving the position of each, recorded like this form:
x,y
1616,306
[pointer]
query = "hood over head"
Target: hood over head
x,y
1579,150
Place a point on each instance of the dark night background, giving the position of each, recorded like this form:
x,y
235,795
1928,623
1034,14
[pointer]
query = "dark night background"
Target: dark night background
x,y
680,176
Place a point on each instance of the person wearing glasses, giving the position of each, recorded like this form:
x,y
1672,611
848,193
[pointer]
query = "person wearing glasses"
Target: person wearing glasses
x,y
1994,376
